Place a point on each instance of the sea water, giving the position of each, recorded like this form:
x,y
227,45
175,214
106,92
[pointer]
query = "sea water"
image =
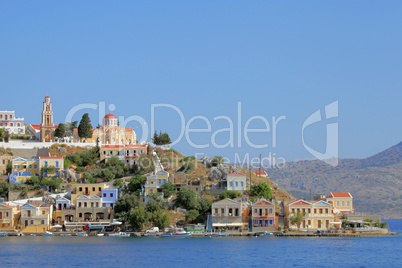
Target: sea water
x,y
203,252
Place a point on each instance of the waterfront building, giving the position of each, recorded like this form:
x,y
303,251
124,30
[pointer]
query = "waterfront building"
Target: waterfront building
x,y
263,216
316,215
10,123
341,202
227,214
126,153
88,189
7,214
36,218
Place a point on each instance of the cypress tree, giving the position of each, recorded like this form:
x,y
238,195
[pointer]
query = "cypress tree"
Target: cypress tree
x,y
85,127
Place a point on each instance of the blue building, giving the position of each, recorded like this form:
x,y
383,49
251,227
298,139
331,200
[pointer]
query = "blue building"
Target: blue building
x,y
109,197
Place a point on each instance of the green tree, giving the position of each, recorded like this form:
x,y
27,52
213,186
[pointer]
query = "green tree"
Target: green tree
x,y
69,127
118,183
261,190
156,203
186,199
34,180
168,189
4,189
60,131
161,138
139,217
192,215
9,168
126,203
85,127
203,205
2,134
135,184
217,160
229,194
160,219
297,219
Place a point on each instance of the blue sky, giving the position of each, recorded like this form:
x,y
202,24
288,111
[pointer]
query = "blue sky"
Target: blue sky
x,y
276,58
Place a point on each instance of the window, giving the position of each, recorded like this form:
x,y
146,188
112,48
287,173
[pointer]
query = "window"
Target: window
x,y
242,184
320,210
35,166
231,184
255,211
97,204
134,152
127,152
43,212
271,222
45,163
343,203
92,204
80,189
30,166
104,205
32,222
100,189
270,211
93,189
237,184
45,174
266,211
79,204
348,203
11,124
111,152
85,204
104,152
80,215
152,182
57,164
315,211
104,195
293,210
42,222
216,211
309,222
309,210
326,210
337,203
141,151
7,214
111,195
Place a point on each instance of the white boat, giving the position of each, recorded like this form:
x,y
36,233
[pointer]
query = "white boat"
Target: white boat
x,y
81,234
100,234
176,232
47,233
20,234
119,234
267,234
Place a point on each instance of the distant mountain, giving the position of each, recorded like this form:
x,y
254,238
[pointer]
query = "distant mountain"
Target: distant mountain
x,y
375,182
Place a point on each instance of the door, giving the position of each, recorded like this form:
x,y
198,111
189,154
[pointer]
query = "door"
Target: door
x,y
26,223
1,215
266,223
319,223
260,223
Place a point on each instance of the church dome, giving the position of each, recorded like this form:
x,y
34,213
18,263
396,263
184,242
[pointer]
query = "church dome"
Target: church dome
x,y
110,116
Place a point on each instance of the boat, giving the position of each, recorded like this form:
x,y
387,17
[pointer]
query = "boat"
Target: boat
x,y
65,235
100,234
176,232
119,234
47,233
266,234
81,234
20,234
3,234
216,235
33,234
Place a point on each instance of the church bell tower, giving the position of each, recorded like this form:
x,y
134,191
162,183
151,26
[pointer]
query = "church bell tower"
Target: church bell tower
x,y
47,127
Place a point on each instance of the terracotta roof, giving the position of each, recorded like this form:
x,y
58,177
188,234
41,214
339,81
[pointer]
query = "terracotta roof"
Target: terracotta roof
x,y
110,116
236,174
332,194
257,172
37,127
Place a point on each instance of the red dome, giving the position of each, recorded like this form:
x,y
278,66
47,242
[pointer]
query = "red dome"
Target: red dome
x,y
109,116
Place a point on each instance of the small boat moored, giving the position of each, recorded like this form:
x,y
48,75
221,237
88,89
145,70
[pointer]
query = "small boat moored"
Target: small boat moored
x,y
119,234
81,234
266,234
47,233
176,232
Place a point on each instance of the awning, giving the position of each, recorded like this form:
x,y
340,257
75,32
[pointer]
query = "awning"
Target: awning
x,y
219,224
335,222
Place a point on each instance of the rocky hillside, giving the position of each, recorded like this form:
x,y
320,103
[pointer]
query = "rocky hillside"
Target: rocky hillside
x,y
375,182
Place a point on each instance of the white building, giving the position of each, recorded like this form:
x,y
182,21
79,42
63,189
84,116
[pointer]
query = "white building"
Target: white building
x,y
10,123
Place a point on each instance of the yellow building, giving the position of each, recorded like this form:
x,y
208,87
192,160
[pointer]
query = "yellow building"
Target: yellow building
x,y
7,214
155,182
110,133
56,162
36,218
4,161
24,169
86,189
341,202
317,215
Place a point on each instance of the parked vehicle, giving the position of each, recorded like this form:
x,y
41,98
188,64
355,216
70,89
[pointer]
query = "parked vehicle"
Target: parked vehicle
x,y
2,234
153,230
